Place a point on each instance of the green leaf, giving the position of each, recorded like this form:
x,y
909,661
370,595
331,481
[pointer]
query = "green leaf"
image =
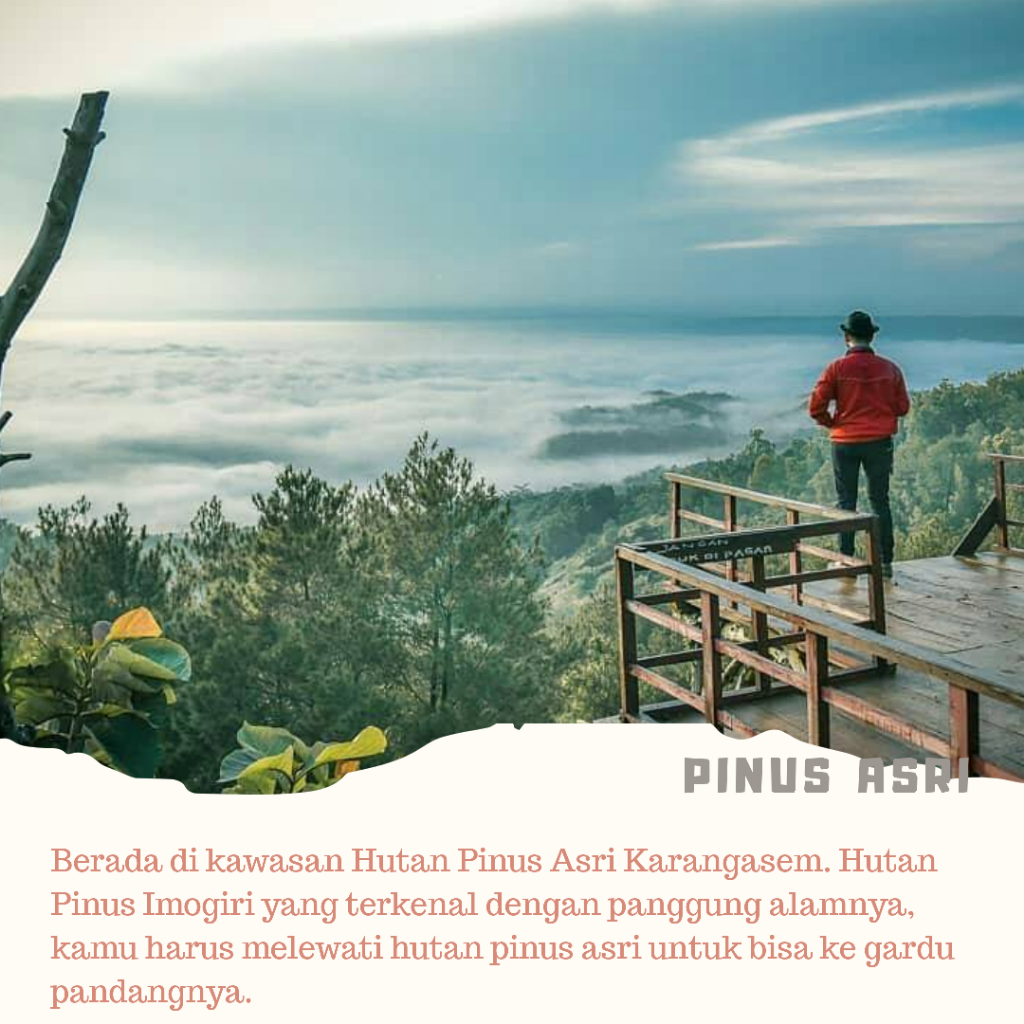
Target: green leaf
x,y
57,674
265,740
122,666
37,708
244,764
130,742
260,785
283,763
166,653
235,763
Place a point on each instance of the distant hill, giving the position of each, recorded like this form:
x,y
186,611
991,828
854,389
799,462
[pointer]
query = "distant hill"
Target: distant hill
x,y
942,481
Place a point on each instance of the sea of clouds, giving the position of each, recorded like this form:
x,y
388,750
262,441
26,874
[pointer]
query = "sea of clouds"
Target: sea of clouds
x,y
163,415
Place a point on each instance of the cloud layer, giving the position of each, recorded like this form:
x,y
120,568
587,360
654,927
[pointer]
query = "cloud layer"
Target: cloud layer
x,y
875,165
161,416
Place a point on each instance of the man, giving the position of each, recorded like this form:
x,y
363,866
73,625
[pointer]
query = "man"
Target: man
x,y
869,396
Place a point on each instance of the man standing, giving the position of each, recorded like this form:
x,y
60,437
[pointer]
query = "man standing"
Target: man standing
x,y
860,398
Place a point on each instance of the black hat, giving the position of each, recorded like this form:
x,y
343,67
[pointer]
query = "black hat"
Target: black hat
x,y
860,325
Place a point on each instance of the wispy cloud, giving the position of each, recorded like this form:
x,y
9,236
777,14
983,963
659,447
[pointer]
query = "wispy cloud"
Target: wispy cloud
x,y
745,243
864,166
560,249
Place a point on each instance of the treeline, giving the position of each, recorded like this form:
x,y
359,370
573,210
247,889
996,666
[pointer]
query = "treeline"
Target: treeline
x,y
942,480
411,605
428,603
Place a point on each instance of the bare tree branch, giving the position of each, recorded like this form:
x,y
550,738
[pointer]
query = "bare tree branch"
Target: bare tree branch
x,y
83,137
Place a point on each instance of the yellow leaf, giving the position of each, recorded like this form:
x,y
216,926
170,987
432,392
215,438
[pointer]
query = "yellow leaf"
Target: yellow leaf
x,y
283,763
137,624
369,742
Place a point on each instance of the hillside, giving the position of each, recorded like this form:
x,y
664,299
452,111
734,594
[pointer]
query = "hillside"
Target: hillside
x,y
941,482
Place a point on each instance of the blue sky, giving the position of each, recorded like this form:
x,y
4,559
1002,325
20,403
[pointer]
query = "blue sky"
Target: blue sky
x,y
741,156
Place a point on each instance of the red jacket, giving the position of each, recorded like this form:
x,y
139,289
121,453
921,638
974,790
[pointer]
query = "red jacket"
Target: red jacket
x,y
870,396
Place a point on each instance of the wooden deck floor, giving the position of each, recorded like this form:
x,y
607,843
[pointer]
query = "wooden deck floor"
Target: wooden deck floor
x,y
971,609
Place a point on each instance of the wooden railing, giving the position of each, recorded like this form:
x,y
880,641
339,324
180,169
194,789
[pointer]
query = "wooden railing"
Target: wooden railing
x,y
805,522
821,635
996,514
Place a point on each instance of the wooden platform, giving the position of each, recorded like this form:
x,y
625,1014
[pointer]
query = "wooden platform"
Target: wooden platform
x,y
970,609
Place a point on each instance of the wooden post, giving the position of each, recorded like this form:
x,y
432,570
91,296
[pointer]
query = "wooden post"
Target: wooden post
x,y
731,526
1004,532
795,560
759,621
711,628
675,503
876,586
818,718
629,688
963,725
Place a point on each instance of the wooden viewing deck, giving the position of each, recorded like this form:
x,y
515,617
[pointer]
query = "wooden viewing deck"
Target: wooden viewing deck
x,y
930,664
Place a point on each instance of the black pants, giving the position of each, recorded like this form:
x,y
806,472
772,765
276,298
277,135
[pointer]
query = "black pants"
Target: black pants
x,y
876,458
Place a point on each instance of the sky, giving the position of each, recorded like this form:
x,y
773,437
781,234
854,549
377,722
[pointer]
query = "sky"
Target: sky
x,y
733,156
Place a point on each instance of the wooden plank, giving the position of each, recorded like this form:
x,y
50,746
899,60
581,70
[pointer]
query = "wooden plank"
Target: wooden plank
x,y
1001,530
787,713
760,664
979,531
864,673
885,721
759,620
833,607
913,615
964,724
671,658
925,702
725,547
711,629
795,560
786,710
813,576
818,719
960,597
1005,561
666,685
669,622
832,556
676,506
697,517
747,694
669,597
854,638
979,766
757,497
731,526
876,586
735,725
629,694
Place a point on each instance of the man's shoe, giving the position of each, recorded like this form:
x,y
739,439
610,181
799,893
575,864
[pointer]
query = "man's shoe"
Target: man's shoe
x,y
887,571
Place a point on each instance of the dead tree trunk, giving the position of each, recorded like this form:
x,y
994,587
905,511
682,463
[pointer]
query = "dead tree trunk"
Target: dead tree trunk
x,y
83,137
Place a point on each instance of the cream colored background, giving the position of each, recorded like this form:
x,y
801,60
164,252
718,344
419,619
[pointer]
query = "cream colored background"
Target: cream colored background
x,y
534,790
